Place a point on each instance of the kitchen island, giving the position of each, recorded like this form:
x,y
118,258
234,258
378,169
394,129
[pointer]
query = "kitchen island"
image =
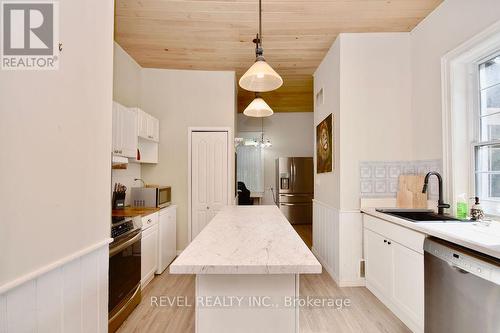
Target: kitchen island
x,y
247,263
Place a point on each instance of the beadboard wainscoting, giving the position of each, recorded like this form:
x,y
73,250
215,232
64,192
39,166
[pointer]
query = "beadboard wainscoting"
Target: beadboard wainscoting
x,y
338,243
72,297
326,237
351,248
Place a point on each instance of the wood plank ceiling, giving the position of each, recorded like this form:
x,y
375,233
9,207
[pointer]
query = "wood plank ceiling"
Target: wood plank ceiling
x,y
217,35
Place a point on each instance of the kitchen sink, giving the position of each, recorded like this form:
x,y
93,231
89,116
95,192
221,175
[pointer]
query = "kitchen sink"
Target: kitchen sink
x,y
421,215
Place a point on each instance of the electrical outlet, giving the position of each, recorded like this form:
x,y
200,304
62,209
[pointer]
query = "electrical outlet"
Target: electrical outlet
x,y
362,268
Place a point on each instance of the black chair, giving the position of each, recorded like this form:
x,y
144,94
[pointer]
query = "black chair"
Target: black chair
x,y
244,195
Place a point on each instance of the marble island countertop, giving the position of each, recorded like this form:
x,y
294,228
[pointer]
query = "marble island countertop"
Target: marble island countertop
x,y
476,236
247,240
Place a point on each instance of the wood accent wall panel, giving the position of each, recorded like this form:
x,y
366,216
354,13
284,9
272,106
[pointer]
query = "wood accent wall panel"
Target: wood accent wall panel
x,y
217,35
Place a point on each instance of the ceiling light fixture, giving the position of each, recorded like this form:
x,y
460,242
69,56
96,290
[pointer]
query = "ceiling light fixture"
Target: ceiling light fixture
x,y
258,108
260,77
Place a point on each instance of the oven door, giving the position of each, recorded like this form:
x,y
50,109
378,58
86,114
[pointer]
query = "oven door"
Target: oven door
x,y
124,269
163,197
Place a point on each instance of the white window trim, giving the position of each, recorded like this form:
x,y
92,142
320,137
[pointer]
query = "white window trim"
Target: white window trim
x,y
459,105
490,204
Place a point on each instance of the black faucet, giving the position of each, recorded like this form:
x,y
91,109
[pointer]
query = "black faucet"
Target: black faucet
x,y
441,204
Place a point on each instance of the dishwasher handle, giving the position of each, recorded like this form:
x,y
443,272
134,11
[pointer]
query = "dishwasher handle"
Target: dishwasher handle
x,y
463,260
458,269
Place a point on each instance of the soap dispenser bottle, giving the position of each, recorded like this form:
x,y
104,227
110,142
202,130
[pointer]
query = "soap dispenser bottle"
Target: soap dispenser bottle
x,y
476,211
462,206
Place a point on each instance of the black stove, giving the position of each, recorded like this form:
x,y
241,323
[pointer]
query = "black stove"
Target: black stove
x,y
121,226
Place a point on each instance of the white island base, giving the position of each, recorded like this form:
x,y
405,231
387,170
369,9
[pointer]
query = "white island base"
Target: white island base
x,y
250,303
247,263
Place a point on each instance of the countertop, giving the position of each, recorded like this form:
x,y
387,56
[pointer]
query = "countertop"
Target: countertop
x,y
247,240
475,236
133,211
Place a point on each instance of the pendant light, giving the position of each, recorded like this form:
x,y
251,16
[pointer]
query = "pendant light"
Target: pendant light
x,y
260,77
258,108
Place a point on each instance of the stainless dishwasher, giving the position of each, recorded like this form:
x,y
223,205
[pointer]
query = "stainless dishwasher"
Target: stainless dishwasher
x,y
462,289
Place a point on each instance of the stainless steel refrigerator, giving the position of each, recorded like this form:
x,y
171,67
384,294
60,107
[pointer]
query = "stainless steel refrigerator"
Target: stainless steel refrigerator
x,y
295,188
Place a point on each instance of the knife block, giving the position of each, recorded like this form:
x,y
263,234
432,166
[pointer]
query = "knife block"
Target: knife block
x,y
118,200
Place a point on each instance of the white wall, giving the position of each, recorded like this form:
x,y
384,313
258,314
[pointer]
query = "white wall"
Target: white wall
x,y
375,105
126,78
290,134
451,24
182,99
55,139
366,80
126,90
126,177
327,77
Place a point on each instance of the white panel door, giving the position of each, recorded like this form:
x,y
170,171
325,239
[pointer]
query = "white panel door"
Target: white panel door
x,y
142,124
208,177
167,246
408,282
153,129
129,132
117,129
378,256
149,253
217,167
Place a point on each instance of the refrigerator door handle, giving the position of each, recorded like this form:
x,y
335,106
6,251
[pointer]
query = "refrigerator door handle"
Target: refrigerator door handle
x,y
296,195
295,204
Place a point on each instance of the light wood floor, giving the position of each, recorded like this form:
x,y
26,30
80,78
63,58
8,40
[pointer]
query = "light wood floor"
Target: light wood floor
x,y
305,232
365,314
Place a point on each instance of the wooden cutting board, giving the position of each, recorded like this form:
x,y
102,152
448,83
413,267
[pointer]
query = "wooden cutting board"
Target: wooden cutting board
x,y
410,192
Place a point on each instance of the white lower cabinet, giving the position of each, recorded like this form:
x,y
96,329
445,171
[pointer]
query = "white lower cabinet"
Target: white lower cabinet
x,y
378,265
395,269
149,248
167,237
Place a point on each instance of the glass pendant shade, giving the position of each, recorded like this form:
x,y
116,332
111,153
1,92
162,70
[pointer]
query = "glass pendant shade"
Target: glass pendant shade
x,y
258,108
260,77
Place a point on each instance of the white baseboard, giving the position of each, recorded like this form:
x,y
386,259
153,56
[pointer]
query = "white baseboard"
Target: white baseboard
x,y
352,283
323,263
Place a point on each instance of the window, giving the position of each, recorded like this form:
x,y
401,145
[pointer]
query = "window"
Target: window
x,y
486,145
250,162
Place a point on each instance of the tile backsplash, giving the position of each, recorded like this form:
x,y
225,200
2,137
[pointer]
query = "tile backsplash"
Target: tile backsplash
x,y
379,179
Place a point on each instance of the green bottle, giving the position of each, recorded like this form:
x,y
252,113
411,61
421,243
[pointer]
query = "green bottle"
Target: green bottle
x,y
462,207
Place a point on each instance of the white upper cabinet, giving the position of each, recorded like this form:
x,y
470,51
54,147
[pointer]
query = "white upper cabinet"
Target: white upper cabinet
x,y
124,131
148,126
154,129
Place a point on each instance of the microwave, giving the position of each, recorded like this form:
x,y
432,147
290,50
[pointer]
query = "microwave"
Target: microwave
x,y
158,196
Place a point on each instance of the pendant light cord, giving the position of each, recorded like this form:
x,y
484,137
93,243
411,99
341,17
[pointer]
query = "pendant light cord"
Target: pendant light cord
x,y
258,40
260,23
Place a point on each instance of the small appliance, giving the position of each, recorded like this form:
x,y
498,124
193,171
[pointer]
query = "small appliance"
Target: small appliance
x,y
151,196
